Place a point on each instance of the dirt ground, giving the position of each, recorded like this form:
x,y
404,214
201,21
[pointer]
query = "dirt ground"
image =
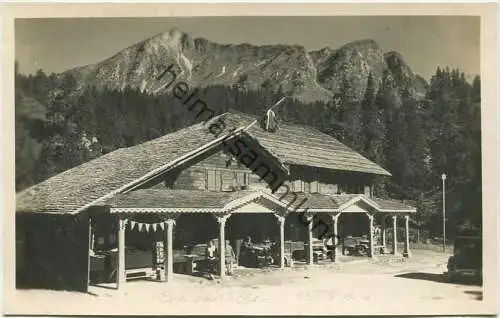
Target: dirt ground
x,y
415,286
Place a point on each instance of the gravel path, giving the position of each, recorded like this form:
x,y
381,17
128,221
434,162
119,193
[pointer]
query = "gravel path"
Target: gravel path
x,y
368,287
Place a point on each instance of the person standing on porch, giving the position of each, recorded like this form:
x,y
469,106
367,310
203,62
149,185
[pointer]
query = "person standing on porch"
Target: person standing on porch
x,y
211,259
247,242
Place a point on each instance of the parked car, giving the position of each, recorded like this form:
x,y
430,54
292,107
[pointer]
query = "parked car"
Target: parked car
x,y
199,258
359,246
466,262
256,255
320,251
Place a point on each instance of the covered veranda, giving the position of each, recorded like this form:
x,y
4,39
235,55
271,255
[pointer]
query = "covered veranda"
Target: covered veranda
x,y
320,214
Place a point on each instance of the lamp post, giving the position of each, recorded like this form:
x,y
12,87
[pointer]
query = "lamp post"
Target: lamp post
x,y
443,177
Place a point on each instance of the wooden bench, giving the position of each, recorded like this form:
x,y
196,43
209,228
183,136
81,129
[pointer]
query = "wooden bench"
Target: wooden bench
x,y
137,273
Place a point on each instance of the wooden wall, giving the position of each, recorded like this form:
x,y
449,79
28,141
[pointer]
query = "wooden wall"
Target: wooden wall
x,y
219,171
327,181
215,173
53,251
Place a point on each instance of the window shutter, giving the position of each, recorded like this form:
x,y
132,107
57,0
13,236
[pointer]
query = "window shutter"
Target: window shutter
x,y
298,186
211,185
218,180
307,187
313,187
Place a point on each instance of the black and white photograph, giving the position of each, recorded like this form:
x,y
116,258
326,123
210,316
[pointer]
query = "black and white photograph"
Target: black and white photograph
x,y
250,164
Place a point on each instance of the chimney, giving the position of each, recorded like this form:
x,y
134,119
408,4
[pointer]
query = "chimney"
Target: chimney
x,y
270,121
368,191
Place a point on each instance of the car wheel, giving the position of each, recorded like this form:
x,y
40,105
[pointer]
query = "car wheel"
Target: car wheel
x,y
362,250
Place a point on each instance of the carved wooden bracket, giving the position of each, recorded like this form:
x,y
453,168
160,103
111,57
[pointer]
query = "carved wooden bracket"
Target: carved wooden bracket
x,y
123,223
170,222
222,219
281,218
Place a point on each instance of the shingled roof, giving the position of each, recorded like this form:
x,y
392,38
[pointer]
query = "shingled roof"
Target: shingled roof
x,y
79,186
101,178
178,199
307,146
198,201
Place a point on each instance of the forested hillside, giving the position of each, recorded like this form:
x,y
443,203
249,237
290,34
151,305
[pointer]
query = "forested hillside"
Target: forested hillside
x,y
59,126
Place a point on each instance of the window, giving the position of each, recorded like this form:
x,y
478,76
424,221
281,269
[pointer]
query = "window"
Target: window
x,y
242,179
335,188
307,187
352,188
328,188
226,179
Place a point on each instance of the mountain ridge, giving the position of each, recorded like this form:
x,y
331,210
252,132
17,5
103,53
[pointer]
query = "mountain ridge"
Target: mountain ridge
x,y
315,75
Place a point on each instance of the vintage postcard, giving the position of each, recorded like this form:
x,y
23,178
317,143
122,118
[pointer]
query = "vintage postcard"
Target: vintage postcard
x,y
250,159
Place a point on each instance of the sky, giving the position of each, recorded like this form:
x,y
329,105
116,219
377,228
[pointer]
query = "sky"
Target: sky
x,y
425,42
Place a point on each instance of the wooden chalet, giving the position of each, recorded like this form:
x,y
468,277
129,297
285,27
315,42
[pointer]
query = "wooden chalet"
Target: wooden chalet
x,y
190,186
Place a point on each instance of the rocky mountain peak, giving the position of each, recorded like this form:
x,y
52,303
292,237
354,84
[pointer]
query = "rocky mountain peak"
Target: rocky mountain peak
x,y
403,75
308,76
174,38
361,45
394,59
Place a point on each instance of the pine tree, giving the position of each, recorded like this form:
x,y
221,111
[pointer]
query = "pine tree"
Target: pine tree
x,y
349,115
373,123
415,140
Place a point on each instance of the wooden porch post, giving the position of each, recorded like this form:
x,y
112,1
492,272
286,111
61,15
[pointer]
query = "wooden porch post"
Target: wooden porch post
x,y
121,275
384,234
281,221
384,229
91,247
406,252
222,245
335,237
169,255
370,220
394,235
310,254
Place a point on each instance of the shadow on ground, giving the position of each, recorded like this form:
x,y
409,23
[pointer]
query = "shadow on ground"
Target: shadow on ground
x,y
438,278
476,293
103,286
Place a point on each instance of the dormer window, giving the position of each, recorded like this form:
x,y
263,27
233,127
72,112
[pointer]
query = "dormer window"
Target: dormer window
x,y
270,122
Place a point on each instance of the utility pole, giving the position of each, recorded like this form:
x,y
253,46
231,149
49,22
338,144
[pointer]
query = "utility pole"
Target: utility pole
x,y
443,177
